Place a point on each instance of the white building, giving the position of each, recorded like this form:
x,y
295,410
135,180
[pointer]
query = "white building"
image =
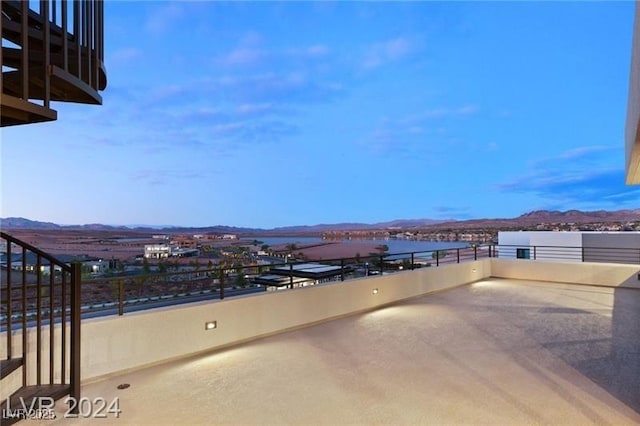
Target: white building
x,y
184,252
162,251
157,251
586,246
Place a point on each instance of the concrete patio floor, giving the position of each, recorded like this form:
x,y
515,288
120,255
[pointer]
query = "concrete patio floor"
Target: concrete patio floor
x,y
494,352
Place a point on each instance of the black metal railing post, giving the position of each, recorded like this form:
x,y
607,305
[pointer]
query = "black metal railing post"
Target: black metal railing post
x,y
120,297
221,283
52,342
291,275
535,256
63,320
475,252
24,315
76,296
458,254
341,269
38,321
412,261
437,252
9,300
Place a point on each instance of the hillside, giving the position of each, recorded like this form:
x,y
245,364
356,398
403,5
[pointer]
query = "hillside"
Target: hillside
x,y
538,217
526,220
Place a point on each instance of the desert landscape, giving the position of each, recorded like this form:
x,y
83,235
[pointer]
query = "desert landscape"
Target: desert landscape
x,y
125,246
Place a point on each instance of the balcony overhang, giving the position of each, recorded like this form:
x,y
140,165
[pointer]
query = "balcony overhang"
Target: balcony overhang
x,y
632,131
50,62
18,111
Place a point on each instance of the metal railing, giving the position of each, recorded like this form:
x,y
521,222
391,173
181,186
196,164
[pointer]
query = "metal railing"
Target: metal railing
x,y
37,292
629,255
127,293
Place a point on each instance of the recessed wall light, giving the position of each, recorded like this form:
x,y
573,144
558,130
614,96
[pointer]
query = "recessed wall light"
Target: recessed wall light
x,y
473,270
374,291
210,325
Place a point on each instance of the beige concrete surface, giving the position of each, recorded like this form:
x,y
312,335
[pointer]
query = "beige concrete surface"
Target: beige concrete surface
x,y
499,352
114,344
589,273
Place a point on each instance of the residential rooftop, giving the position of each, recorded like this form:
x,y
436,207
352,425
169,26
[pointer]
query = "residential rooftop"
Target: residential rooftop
x,y
497,351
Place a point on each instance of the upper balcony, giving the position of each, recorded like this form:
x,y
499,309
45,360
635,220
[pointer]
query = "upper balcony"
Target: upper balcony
x,y
54,52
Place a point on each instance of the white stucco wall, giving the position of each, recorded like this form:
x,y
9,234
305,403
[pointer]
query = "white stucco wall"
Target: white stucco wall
x,y
549,245
561,246
510,242
557,245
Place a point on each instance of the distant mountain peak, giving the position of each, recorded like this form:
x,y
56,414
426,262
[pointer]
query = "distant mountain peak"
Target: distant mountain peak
x,y
22,223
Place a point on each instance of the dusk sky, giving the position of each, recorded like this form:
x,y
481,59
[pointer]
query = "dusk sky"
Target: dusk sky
x,y
272,114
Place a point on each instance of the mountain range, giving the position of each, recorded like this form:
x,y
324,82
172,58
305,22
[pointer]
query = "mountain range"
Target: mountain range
x,y
23,223
527,219
538,217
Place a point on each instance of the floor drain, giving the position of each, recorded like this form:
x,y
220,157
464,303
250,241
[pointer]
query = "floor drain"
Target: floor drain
x,y
124,386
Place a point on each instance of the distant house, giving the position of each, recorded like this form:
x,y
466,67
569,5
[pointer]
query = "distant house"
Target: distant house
x,y
184,252
30,264
587,246
299,275
163,251
273,282
157,251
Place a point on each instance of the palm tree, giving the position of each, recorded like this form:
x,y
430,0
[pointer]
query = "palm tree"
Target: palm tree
x,y
291,247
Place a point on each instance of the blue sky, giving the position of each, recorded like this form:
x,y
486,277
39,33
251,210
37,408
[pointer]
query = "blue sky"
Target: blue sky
x,y
273,114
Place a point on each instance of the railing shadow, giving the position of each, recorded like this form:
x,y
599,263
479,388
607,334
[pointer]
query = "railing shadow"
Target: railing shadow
x,y
604,350
593,330
619,373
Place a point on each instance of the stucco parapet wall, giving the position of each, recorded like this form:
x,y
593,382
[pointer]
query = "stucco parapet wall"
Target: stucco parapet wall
x,y
117,344
587,273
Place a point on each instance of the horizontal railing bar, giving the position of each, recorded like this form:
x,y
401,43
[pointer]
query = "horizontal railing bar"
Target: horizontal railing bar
x,y
35,250
564,247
